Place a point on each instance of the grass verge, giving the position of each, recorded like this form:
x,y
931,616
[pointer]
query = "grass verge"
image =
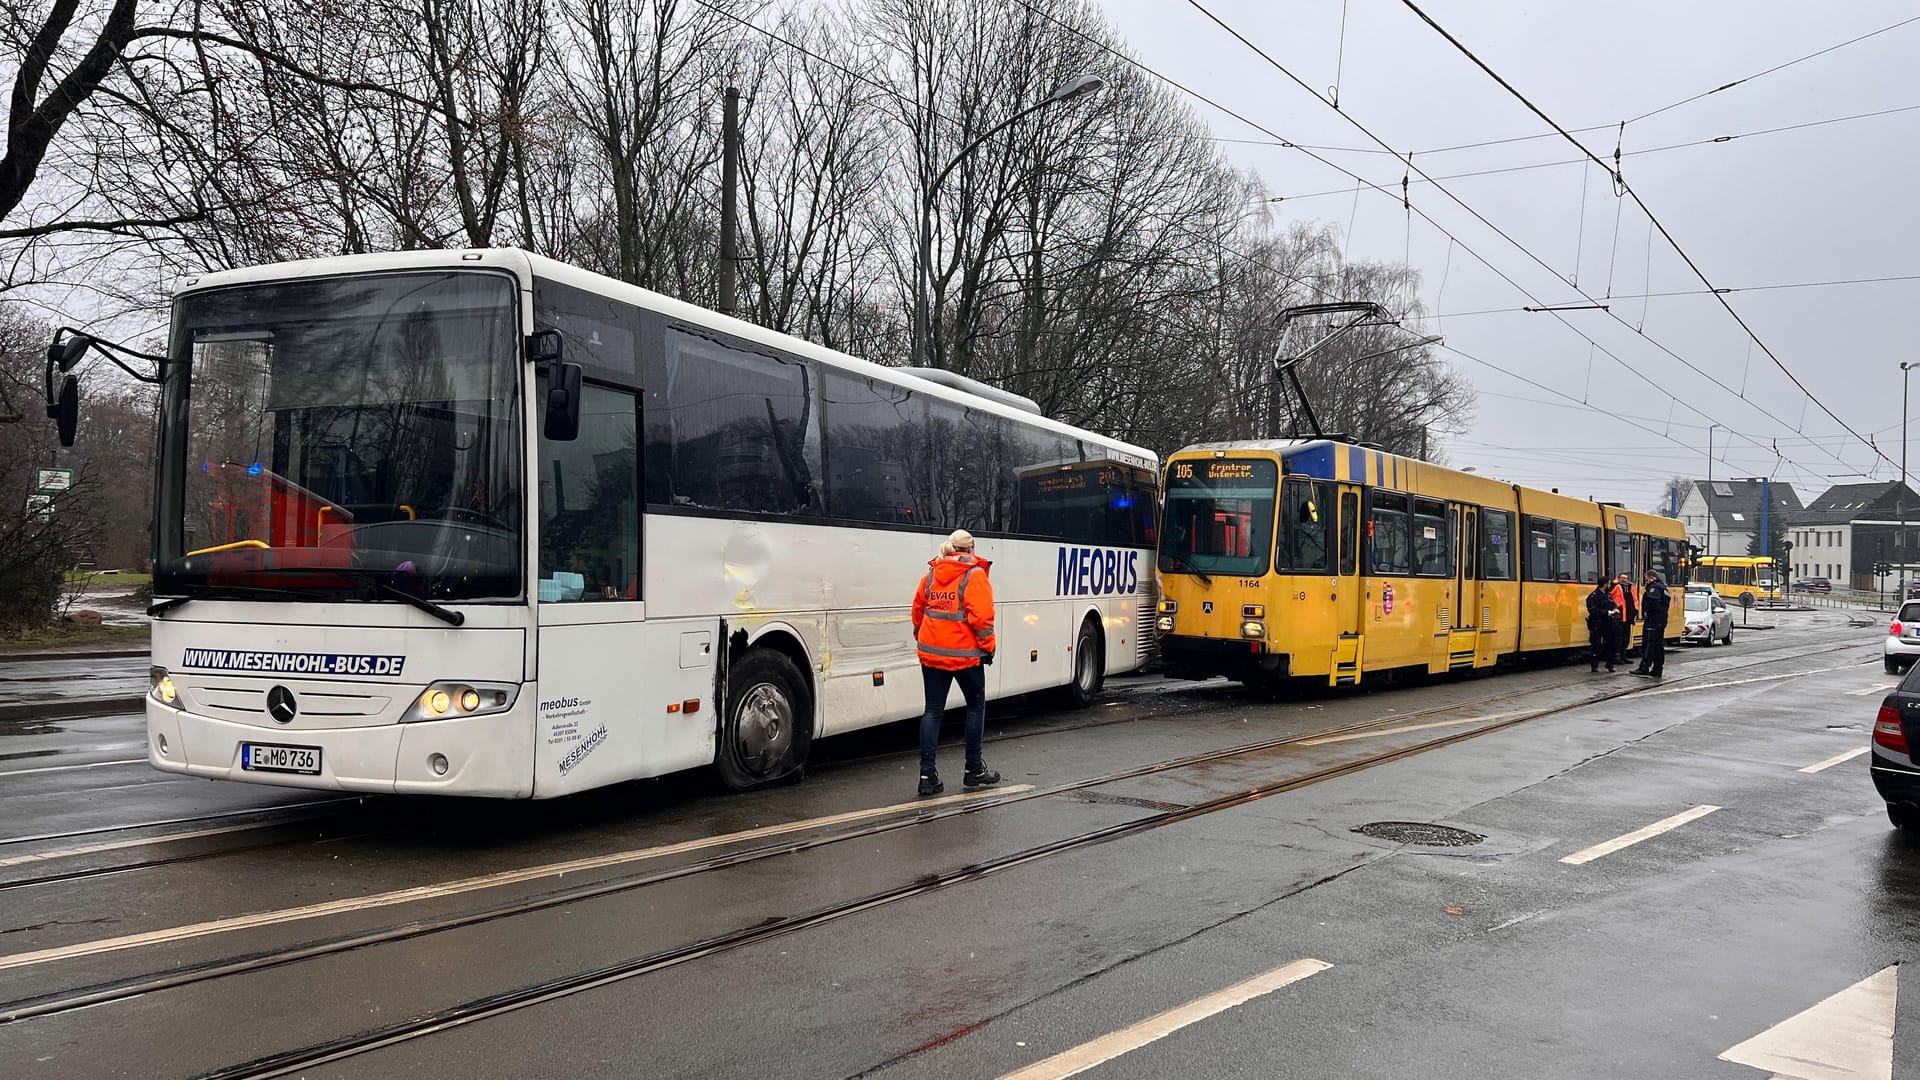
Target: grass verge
x,y
65,635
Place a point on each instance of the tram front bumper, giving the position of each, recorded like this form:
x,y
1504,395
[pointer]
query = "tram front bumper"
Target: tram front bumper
x,y
1186,657
483,755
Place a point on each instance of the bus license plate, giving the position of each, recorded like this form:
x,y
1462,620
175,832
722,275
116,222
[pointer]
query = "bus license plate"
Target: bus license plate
x,y
264,757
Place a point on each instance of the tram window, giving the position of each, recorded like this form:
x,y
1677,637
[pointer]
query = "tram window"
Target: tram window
x,y
1539,549
741,430
1219,517
1589,554
1622,562
1349,532
1389,550
1432,539
1563,547
876,467
1496,545
1305,527
589,504
1661,558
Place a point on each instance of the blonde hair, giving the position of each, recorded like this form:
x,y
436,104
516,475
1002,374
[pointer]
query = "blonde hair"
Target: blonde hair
x,y
961,540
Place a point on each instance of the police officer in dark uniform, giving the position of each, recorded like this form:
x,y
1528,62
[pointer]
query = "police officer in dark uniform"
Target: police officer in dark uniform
x,y
1600,616
1655,602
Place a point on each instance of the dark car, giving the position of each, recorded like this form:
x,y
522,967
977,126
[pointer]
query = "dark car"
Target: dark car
x,y
1814,584
1894,771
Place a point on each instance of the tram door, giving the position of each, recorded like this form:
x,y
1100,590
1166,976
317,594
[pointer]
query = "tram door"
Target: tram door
x,y
1349,646
1464,642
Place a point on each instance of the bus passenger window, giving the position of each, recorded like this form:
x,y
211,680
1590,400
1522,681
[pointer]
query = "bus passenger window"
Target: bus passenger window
x,y
590,504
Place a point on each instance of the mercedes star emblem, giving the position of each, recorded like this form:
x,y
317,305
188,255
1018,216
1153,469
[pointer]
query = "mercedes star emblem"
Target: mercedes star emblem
x,y
281,705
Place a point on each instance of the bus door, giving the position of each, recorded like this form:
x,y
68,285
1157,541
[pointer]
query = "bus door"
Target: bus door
x,y
1464,641
1348,646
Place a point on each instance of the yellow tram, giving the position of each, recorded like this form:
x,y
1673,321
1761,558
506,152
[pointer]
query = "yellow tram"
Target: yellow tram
x,y
1735,576
1319,559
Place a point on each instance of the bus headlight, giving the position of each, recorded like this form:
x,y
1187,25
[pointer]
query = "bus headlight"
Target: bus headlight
x,y
161,684
1252,629
445,699
1165,624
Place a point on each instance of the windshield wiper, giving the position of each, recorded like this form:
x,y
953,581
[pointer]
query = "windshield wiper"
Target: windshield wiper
x,y
379,584
213,592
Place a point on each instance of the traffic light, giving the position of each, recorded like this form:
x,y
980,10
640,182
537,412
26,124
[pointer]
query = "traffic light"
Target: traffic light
x,y
1882,569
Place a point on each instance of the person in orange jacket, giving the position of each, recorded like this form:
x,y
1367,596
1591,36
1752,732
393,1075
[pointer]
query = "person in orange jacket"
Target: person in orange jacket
x,y
953,630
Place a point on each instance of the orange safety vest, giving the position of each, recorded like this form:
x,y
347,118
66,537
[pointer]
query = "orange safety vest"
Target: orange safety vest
x,y
953,613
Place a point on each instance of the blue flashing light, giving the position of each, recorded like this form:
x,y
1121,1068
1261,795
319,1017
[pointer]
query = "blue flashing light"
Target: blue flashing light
x,y
253,469
1123,502
206,466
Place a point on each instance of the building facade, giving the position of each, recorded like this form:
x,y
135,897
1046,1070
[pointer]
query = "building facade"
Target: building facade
x,y
1736,509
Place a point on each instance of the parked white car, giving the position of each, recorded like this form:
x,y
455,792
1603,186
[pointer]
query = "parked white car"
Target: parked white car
x,y
1707,619
1903,638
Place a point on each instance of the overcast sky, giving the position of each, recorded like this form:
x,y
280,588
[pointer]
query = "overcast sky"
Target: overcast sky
x,y
1824,203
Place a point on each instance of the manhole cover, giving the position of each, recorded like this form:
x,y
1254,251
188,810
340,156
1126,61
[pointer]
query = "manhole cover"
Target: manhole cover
x,y
1419,832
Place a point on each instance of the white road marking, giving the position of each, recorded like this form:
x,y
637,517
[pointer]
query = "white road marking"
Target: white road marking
x,y
64,768
1352,735
1849,1036
1128,1039
1733,682
473,884
1663,825
1876,688
117,845
1836,759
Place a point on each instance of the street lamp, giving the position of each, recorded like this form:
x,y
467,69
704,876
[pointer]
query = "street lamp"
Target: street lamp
x,y
1078,86
1900,499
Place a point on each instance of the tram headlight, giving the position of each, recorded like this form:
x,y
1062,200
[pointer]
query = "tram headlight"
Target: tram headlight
x,y
1165,624
1251,629
457,699
161,684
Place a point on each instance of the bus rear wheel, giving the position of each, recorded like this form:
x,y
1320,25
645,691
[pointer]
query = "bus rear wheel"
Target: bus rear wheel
x,y
1089,667
767,728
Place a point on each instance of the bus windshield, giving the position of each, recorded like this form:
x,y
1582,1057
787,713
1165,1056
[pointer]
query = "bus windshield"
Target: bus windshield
x,y
1219,517
343,438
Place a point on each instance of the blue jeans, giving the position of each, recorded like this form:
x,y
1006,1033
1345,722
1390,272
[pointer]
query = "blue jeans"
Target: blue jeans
x,y
973,687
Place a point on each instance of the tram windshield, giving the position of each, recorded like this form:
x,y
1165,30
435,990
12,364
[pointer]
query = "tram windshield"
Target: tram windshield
x,y
1219,517
343,438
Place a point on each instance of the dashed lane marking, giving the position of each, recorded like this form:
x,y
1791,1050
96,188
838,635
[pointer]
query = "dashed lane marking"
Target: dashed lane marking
x,y
1128,1039
472,884
64,768
1848,1036
1649,832
1836,759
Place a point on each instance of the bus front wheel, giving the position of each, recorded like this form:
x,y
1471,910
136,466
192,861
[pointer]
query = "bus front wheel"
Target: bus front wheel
x,y
768,727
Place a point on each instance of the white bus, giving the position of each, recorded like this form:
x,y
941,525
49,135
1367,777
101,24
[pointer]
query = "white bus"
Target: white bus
x,y
478,522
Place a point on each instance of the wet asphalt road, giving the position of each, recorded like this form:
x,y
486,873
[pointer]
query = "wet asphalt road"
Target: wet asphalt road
x,y
842,928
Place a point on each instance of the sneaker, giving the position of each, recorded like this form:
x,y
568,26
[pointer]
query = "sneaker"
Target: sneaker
x,y
930,784
980,776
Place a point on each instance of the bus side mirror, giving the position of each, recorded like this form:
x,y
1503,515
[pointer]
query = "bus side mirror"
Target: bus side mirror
x,y
563,403
561,420
64,409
